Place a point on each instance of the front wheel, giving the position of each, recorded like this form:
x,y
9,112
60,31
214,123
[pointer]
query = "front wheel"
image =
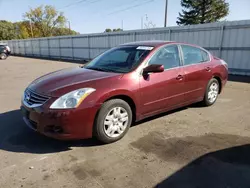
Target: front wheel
x,y
3,56
113,121
212,92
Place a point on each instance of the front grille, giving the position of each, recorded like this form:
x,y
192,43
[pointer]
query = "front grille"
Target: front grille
x,y
33,98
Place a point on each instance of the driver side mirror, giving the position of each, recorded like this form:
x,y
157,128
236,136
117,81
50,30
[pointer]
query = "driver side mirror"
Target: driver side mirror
x,y
154,68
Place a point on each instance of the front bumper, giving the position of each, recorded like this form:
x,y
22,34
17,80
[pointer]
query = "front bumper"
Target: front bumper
x,y
60,124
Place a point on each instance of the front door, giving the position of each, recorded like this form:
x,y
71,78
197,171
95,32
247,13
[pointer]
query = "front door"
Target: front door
x,y
160,91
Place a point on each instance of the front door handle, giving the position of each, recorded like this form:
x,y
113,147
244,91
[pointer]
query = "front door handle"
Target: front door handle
x,y
179,77
208,69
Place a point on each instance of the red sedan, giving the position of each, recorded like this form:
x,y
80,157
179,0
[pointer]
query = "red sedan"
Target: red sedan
x,y
124,84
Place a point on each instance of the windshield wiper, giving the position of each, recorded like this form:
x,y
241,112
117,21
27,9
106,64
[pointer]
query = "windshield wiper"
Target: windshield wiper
x,y
100,69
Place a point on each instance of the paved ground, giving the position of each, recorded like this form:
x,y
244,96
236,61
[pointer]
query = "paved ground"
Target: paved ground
x,y
190,147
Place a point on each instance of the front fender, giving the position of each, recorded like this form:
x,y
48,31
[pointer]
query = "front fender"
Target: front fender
x,y
117,92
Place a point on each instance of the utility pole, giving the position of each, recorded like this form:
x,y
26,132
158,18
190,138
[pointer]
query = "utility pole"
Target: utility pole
x,y
122,25
31,29
69,28
166,13
141,22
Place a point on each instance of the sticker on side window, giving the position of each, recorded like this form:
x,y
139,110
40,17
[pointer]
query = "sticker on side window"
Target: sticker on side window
x,y
144,48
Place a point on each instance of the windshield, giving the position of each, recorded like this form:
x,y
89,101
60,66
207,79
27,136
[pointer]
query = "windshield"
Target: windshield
x,y
121,59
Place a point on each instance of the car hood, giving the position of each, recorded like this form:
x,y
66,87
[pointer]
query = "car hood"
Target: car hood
x,y
50,83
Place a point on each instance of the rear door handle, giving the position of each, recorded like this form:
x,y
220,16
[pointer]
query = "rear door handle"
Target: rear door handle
x,y
179,77
208,69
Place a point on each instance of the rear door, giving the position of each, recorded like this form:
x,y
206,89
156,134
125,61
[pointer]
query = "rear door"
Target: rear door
x,y
163,90
197,70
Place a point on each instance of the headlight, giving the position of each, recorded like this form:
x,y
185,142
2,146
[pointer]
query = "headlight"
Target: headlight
x,y
72,99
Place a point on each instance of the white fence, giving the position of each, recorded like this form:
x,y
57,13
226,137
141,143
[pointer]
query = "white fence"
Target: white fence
x,y
228,40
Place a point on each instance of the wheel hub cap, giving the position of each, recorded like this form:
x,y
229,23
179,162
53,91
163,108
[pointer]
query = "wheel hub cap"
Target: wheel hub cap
x,y
115,122
213,92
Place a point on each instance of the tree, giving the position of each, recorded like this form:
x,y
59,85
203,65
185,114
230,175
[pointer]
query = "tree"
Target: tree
x,y
38,22
114,30
23,30
44,20
108,30
118,29
7,30
64,31
202,11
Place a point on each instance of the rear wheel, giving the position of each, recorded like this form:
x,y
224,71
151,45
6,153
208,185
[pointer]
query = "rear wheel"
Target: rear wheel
x,y
212,92
3,56
113,121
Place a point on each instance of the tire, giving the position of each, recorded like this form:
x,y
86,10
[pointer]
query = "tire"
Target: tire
x,y
3,56
108,120
214,87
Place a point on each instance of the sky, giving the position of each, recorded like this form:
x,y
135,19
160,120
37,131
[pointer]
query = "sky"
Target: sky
x,y
94,16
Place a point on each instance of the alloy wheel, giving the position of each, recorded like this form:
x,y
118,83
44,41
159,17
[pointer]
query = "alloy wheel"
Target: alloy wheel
x,y
213,92
116,122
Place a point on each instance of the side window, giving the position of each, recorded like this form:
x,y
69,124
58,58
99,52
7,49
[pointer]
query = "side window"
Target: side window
x,y
192,55
167,56
205,56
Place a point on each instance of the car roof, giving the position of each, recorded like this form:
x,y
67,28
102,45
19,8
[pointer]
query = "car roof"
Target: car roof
x,y
153,43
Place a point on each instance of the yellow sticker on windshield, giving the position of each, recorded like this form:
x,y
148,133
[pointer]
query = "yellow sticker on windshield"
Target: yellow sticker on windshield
x,y
144,48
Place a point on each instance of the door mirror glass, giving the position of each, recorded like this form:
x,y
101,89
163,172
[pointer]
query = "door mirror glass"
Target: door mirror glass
x,y
154,68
